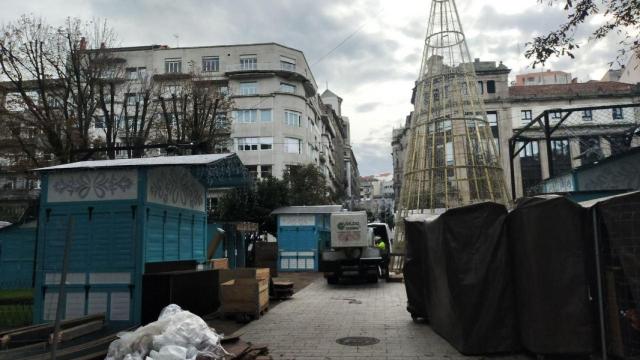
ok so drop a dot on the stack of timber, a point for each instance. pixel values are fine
(282, 289)
(244, 292)
(242, 350)
(34, 342)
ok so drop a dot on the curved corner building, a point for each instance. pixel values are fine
(451, 157)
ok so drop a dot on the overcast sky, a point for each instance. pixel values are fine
(373, 70)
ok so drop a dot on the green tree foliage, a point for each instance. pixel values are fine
(304, 185)
(307, 186)
(622, 17)
(237, 204)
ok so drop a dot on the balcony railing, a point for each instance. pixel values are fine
(270, 67)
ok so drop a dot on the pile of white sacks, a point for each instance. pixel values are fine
(176, 335)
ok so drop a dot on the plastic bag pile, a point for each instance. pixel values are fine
(176, 335)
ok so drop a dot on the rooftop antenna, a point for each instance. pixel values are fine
(451, 159)
(177, 36)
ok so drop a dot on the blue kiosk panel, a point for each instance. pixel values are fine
(302, 237)
(119, 215)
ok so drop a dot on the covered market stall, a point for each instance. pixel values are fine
(115, 217)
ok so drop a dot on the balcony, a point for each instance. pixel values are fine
(289, 73)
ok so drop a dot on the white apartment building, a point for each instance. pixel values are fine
(278, 118)
(543, 78)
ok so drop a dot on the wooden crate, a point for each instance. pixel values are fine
(260, 274)
(217, 264)
(245, 297)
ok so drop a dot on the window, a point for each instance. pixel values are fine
(266, 143)
(287, 64)
(464, 88)
(480, 88)
(530, 165)
(136, 73)
(492, 117)
(526, 115)
(618, 144)
(247, 144)
(108, 73)
(223, 90)
(255, 143)
(617, 113)
(173, 66)
(449, 155)
(253, 170)
(212, 203)
(590, 150)
(174, 90)
(132, 73)
(248, 62)
(247, 116)
(556, 115)
(132, 99)
(266, 171)
(292, 145)
(292, 118)
(265, 115)
(210, 64)
(99, 122)
(561, 156)
(248, 88)
(173, 119)
(491, 87)
(288, 88)
(587, 115)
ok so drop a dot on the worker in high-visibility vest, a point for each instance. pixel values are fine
(383, 267)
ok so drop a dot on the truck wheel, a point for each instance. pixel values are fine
(332, 280)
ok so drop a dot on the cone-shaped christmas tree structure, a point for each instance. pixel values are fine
(451, 158)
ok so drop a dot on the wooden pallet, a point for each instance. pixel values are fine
(282, 289)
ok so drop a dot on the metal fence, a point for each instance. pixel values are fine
(618, 231)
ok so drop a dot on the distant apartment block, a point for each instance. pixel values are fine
(543, 78)
(278, 117)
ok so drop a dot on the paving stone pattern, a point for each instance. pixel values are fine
(308, 325)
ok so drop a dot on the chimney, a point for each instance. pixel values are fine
(83, 43)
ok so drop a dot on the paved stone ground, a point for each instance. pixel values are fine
(307, 326)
